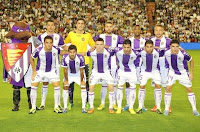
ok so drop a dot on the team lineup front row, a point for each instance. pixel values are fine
(128, 60)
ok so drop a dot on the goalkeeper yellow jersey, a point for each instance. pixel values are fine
(81, 41)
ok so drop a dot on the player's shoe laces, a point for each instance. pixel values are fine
(196, 113)
(115, 107)
(32, 111)
(139, 111)
(132, 111)
(126, 107)
(15, 108)
(42, 107)
(58, 110)
(159, 111)
(70, 106)
(154, 109)
(166, 113)
(91, 110)
(111, 111)
(64, 110)
(119, 111)
(87, 106)
(101, 107)
(84, 110)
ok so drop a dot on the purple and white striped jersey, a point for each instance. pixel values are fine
(57, 39)
(47, 61)
(101, 60)
(163, 43)
(150, 62)
(178, 63)
(112, 41)
(127, 63)
(137, 43)
(73, 65)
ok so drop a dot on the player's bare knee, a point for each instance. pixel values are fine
(189, 90)
(142, 87)
(45, 83)
(127, 85)
(168, 89)
(91, 89)
(110, 87)
(157, 86)
(66, 87)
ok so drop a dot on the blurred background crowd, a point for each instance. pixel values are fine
(181, 18)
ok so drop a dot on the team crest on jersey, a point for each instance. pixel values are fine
(114, 38)
(54, 54)
(105, 56)
(179, 58)
(76, 63)
(155, 56)
(162, 43)
(16, 58)
(83, 39)
(56, 38)
(131, 58)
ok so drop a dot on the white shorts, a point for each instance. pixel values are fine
(113, 74)
(145, 76)
(138, 74)
(76, 78)
(51, 76)
(96, 77)
(163, 71)
(123, 77)
(45, 79)
(183, 79)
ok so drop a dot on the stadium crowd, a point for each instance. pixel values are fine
(181, 18)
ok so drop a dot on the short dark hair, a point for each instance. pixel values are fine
(71, 47)
(108, 22)
(49, 21)
(174, 41)
(149, 42)
(80, 19)
(99, 39)
(48, 37)
(127, 41)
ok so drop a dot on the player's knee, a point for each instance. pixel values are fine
(168, 89)
(142, 87)
(91, 89)
(189, 90)
(127, 85)
(66, 87)
(45, 83)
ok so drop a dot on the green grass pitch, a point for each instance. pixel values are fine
(181, 118)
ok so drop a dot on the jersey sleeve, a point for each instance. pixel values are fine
(82, 62)
(63, 62)
(35, 53)
(91, 41)
(61, 42)
(96, 37)
(88, 53)
(68, 39)
(187, 56)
